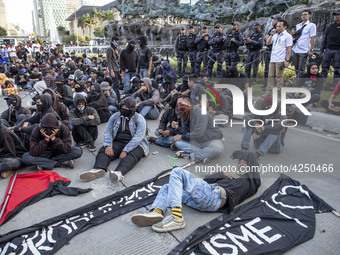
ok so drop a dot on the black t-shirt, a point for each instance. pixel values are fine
(123, 136)
(145, 56)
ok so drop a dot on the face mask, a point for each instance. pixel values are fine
(9, 103)
(39, 107)
(184, 111)
(125, 112)
(81, 108)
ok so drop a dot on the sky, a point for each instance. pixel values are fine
(19, 12)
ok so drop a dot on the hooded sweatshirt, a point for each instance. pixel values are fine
(168, 69)
(59, 108)
(241, 188)
(129, 59)
(39, 87)
(313, 83)
(62, 142)
(97, 99)
(12, 113)
(10, 145)
(78, 118)
(151, 96)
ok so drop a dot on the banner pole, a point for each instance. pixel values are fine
(8, 195)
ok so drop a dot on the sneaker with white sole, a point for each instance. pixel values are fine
(92, 175)
(170, 223)
(183, 154)
(116, 176)
(146, 219)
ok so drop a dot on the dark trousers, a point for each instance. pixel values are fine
(215, 56)
(192, 58)
(181, 57)
(9, 164)
(85, 134)
(253, 59)
(201, 56)
(267, 55)
(126, 164)
(326, 62)
(299, 61)
(231, 58)
(116, 84)
(49, 159)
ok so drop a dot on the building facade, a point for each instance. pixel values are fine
(3, 15)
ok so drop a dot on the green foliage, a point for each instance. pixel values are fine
(98, 32)
(3, 31)
(87, 38)
(67, 39)
(62, 31)
(40, 41)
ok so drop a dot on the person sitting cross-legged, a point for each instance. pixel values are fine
(124, 139)
(218, 192)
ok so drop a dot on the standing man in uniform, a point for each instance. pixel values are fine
(202, 51)
(181, 52)
(192, 47)
(217, 45)
(304, 41)
(330, 47)
(254, 45)
(268, 51)
(232, 42)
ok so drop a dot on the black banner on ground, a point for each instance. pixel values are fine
(283, 217)
(49, 236)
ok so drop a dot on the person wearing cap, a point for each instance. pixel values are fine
(267, 136)
(35, 76)
(181, 52)
(49, 78)
(129, 62)
(330, 47)
(157, 69)
(21, 80)
(268, 51)
(282, 43)
(216, 43)
(304, 42)
(15, 112)
(233, 40)
(110, 95)
(145, 56)
(135, 86)
(63, 91)
(202, 52)
(70, 81)
(192, 48)
(254, 46)
(79, 88)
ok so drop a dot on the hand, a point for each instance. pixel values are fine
(248, 40)
(113, 75)
(122, 96)
(31, 80)
(138, 104)
(159, 76)
(160, 131)
(42, 131)
(286, 64)
(297, 95)
(149, 73)
(109, 151)
(91, 117)
(58, 95)
(233, 39)
(259, 128)
(336, 109)
(331, 107)
(186, 54)
(25, 124)
(52, 136)
(273, 32)
(310, 53)
(255, 136)
(176, 138)
(174, 124)
(123, 155)
(166, 133)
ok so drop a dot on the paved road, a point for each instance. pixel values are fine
(120, 236)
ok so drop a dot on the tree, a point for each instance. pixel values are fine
(108, 15)
(81, 23)
(98, 16)
(89, 22)
(3, 32)
(62, 31)
(98, 32)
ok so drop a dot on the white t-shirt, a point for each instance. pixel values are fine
(29, 50)
(12, 51)
(36, 47)
(303, 44)
(280, 42)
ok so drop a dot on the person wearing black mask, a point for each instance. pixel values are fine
(15, 112)
(97, 100)
(79, 88)
(63, 92)
(84, 120)
(124, 139)
(145, 56)
(129, 62)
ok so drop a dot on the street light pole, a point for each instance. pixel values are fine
(75, 20)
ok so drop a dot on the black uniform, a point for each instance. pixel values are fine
(253, 57)
(181, 48)
(217, 45)
(231, 57)
(202, 55)
(192, 47)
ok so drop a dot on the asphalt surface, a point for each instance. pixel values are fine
(121, 236)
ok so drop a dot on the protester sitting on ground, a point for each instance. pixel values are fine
(267, 136)
(313, 81)
(157, 69)
(50, 77)
(79, 89)
(147, 99)
(21, 80)
(184, 87)
(63, 92)
(51, 146)
(11, 151)
(166, 89)
(15, 112)
(110, 95)
(135, 86)
(34, 77)
(196, 90)
(84, 120)
(168, 69)
(124, 139)
(203, 141)
(97, 100)
(71, 82)
(331, 106)
(219, 192)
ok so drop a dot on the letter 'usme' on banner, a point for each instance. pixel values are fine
(283, 217)
(50, 235)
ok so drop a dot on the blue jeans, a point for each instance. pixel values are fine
(163, 141)
(112, 108)
(270, 143)
(9, 164)
(149, 112)
(211, 149)
(143, 73)
(127, 77)
(115, 86)
(194, 192)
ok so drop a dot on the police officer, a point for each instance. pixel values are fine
(181, 52)
(254, 45)
(192, 47)
(233, 40)
(217, 44)
(202, 51)
(267, 53)
(330, 47)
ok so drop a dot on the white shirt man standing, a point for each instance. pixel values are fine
(304, 42)
(36, 48)
(12, 53)
(281, 42)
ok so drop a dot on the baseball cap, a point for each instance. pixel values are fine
(337, 11)
(256, 24)
(71, 77)
(218, 25)
(182, 28)
(35, 69)
(278, 17)
(191, 26)
(235, 23)
(204, 27)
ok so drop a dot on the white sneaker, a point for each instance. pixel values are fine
(116, 176)
(170, 223)
(92, 175)
(146, 219)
